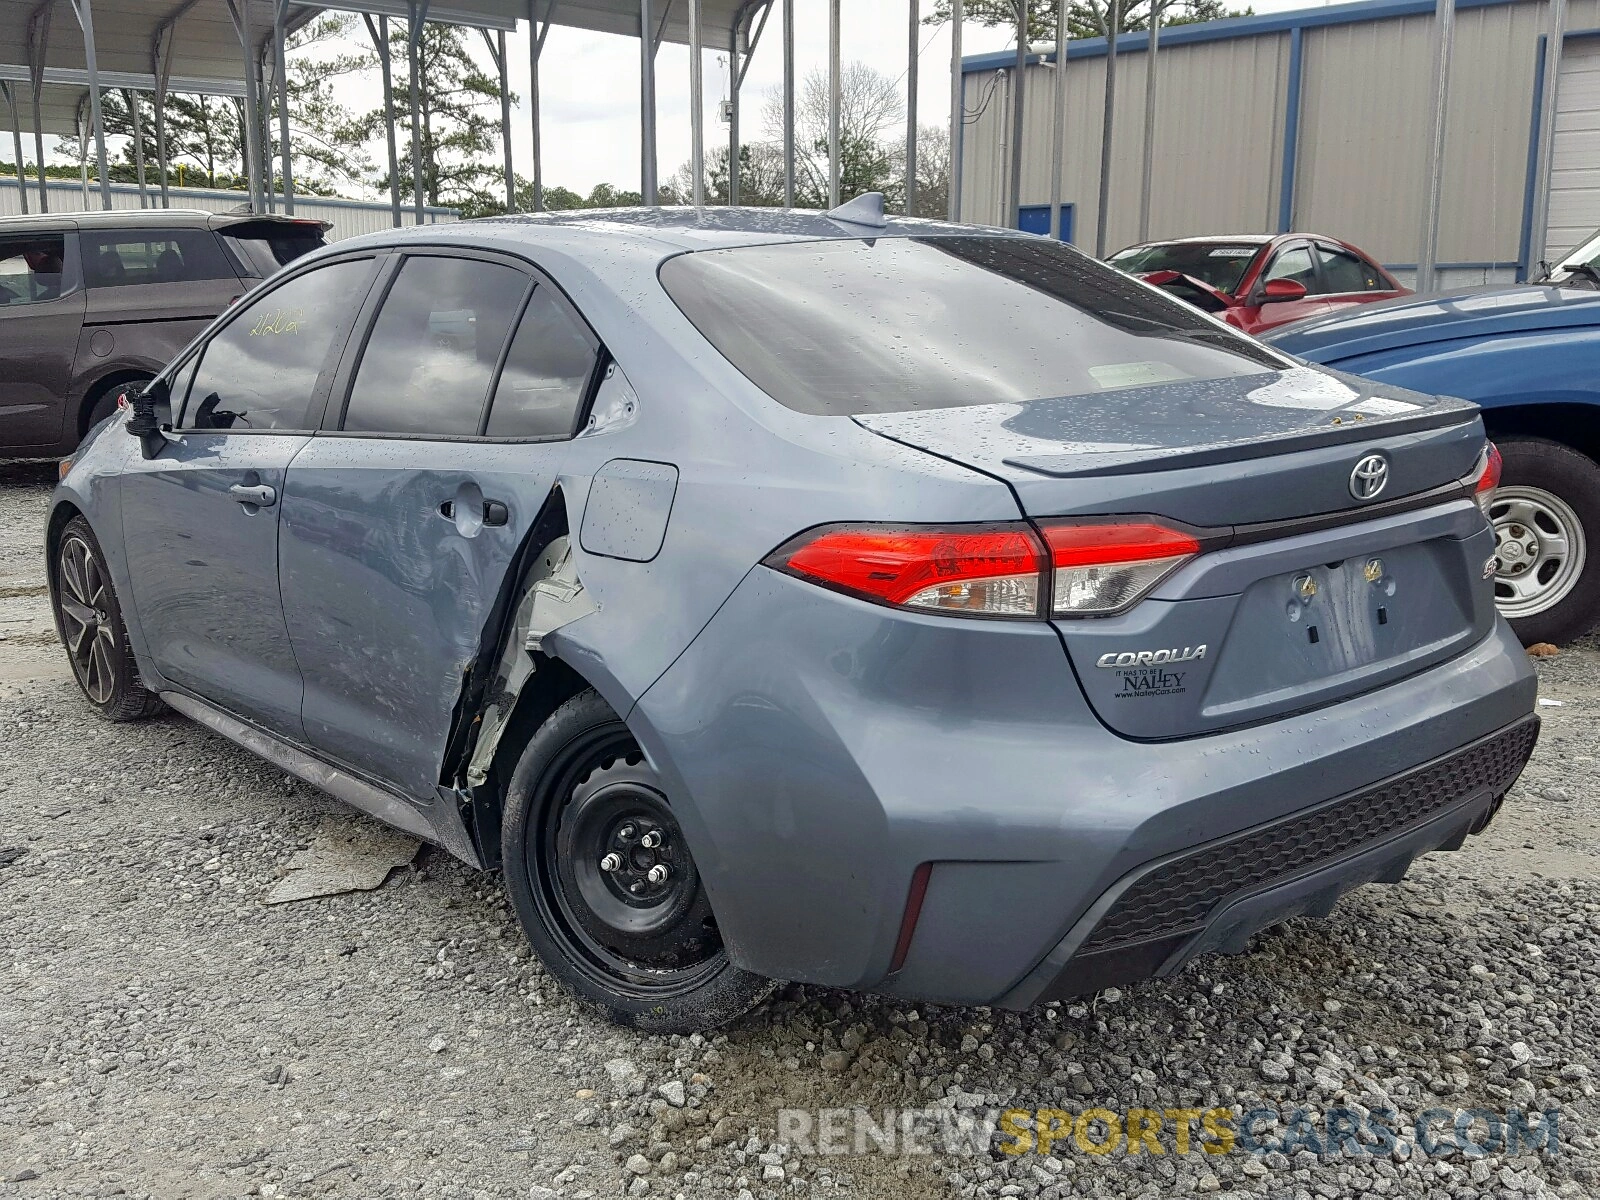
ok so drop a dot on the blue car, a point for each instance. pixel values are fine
(877, 604)
(1530, 355)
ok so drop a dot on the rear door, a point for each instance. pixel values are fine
(445, 436)
(200, 519)
(1348, 279)
(41, 314)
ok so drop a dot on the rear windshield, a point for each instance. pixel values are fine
(837, 328)
(1220, 264)
(266, 246)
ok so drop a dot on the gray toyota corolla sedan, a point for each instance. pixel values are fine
(889, 605)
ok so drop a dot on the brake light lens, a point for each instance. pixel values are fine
(991, 570)
(1105, 568)
(1087, 569)
(1488, 477)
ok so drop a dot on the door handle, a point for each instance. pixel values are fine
(495, 512)
(260, 495)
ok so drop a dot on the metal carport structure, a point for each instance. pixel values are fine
(235, 48)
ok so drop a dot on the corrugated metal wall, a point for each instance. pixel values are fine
(1361, 159)
(349, 217)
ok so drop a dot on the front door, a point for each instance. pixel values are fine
(399, 523)
(41, 313)
(200, 519)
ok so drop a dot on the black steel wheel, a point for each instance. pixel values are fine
(604, 883)
(89, 622)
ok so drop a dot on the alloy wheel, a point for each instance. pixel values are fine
(87, 624)
(1540, 550)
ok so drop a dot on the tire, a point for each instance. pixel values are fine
(104, 402)
(89, 622)
(644, 950)
(1547, 540)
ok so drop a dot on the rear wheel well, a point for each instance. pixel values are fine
(1569, 424)
(97, 392)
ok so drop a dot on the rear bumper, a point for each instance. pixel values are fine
(1215, 897)
(818, 749)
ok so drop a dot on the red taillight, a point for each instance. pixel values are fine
(122, 400)
(1104, 568)
(1089, 569)
(1488, 476)
(991, 570)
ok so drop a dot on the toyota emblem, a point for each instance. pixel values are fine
(1369, 477)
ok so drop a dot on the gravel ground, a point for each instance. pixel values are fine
(165, 1033)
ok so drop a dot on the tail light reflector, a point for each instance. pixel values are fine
(1488, 477)
(1089, 569)
(1105, 568)
(991, 570)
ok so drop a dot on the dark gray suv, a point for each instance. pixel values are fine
(93, 302)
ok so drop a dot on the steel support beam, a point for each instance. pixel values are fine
(85, 13)
(496, 46)
(1058, 124)
(10, 94)
(913, 33)
(958, 102)
(240, 12)
(1102, 212)
(1018, 77)
(1444, 27)
(378, 31)
(161, 70)
(414, 32)
(1555, 39)
(536, 36)
(697, 102)
(735, 75)
(834, 164)
(131, 99)
(1150, 76)
(647, 106)
(788, 103)
(38, 43)
(280, 14)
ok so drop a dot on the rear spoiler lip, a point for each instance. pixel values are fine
(223, 222)
(1073, 466)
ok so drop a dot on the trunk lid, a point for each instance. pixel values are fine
(1305, 594)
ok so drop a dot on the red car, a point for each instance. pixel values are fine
(1258, 281)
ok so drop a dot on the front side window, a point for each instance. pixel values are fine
(136, 257)
(896, 324)
(260, 371)
(1345, 272)
(546, 372)
(433, 350)
(32, 269)
(1295, 265)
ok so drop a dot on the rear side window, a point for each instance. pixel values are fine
(261, 370)
(32, 269)
(131, 257)
(1344, 272)
(1293, 264)
(433, 350)
(546, 372)
(900, 324)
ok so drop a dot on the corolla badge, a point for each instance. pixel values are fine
(1151, 658)
(1369, 477)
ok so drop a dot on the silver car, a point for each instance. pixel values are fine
(881, 604)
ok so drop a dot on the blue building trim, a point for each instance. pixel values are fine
(1230, 27)
(1530, 185)
(1291, 130)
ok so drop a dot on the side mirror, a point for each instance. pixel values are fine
(1283, 289)
(145, 421)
